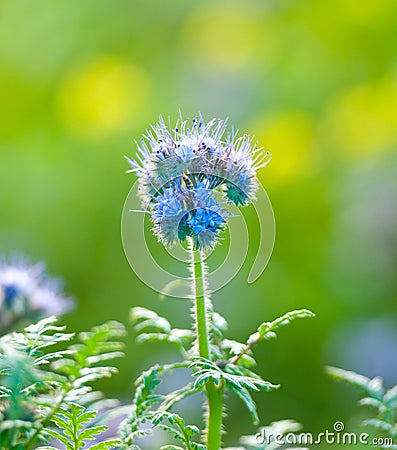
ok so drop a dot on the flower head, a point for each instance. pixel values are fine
(189, 173)
(26, 292)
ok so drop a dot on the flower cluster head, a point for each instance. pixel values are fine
(189, 173)
(27, 293)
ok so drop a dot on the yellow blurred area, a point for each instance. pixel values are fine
(364, 12)
(289, 137)
(223, 36)
(363, 120)
(101, 98)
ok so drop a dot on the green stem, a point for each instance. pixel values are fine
(215, 410)
(200, 305)
(214, 393)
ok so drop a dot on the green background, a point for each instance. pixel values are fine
(316, 82)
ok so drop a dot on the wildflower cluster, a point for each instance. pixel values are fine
(188, 174)
(26, 293)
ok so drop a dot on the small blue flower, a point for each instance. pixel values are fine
(187, 173)
(181, 213)
(26, 292)
(203, 225)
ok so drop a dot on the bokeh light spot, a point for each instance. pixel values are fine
(365, 12)
(363, 120)
(289, 137)
(102, 98)
(223, 36)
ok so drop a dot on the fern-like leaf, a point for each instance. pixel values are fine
(371, 387)
(74, 428)
(153, 328)
(384, 401)
(37, 381)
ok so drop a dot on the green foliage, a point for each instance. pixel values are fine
(39, 377)
(74, 431)
(143, 410)
(384, 401)
(182, 432)
(236, 379)
(153, 328)
(230, 368)
(236, 359)
(267, 330)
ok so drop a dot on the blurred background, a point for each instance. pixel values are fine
(316, 82)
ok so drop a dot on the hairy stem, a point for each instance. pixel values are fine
(214, 393)
(215, 410)
(200, 305)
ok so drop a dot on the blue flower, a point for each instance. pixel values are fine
(186, 174)
(181, 213)
(203, 225)
(26, 292)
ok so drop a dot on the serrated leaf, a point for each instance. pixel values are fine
(106, 445)
(74, 426)
(373, 387)
(248, 401)
(209, 371)
(391, 396)
(143, 318)
(45, 382)
(234, 347)
(271, 327)
(89, 433)
(176, 396)
(197, 446)
(379, 424)
(59, 436)
(368, 401)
